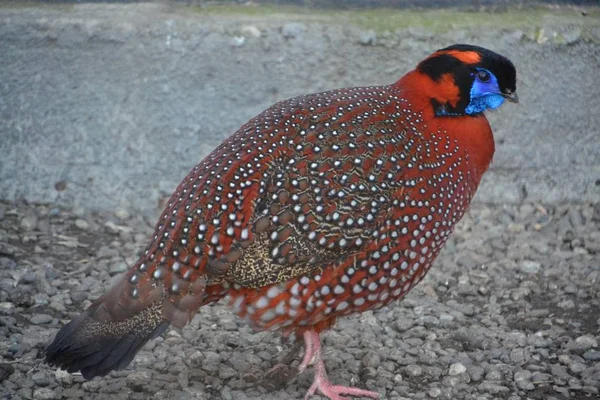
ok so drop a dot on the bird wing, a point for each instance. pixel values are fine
(324, 196)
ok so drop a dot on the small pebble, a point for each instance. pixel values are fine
(5, 371)
(28, 223)
(523, 380)
(41, 378)
(82, 224)
(456, 369)
(65, 378)
(122, 214)
(592, 355)
(44, 394)
(368, 38)
(137, 380)
(371, 359)
(7, 308)
(413, 370)
(117, 268)
(39, 319)
(531, 267)
(292, 30)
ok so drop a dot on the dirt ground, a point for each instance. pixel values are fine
(511, 310)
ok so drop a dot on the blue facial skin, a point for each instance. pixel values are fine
(485, 93)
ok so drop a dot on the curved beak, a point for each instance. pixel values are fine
(511, 96)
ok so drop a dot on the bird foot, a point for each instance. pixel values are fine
(321, 383)
(334, 392)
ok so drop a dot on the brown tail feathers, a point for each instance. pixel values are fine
(110, 332)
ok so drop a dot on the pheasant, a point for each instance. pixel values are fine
(321, 206)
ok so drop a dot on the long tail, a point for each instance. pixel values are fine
(110, 332)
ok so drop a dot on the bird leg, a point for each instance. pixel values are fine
(309, 352)
(322, 384)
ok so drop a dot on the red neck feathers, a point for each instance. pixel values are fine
(472, 132)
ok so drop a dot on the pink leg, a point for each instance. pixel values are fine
(311, 339)
(321, 382)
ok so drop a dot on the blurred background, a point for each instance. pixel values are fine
(110, 105)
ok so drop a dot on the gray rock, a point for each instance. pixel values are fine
(28, 278)
(7, 308)
(250, 31)
(28, 223)
(237, 41)
(117, 268)
(560, 371)
(567, 304)
(292, 30)
(41, 299)
(371, 360)
(5, 371)
(429, 321)
(577, 367)
(572, 36)
(583, 343)
(413, 370)
(39, 319)
(475, 372)
(493, 375)
(226, 372)
(368, 38)
(520, 356)
(82, 224)
(404, 324)
(456, 369)
(79, 296)
(107, 252)
(73, 393)
(138, 380)
(592, 355)
(7, 320)
(531, 267)
(540, 378)
(522, 379)
(44, 394)
(41, 378)
(122, 214)
(64, 378)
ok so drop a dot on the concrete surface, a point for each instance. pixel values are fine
(105, 106)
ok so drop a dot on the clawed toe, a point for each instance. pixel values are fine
(321, 384)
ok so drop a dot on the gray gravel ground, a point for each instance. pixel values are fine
(511, 310)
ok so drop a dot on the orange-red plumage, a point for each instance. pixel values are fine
(322, 206)
(467, 57)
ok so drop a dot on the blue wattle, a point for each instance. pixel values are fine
(484, 102)
(484, 95)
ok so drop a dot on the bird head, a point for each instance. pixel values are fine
(467, 80)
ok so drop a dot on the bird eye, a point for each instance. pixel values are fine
(483, 76)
